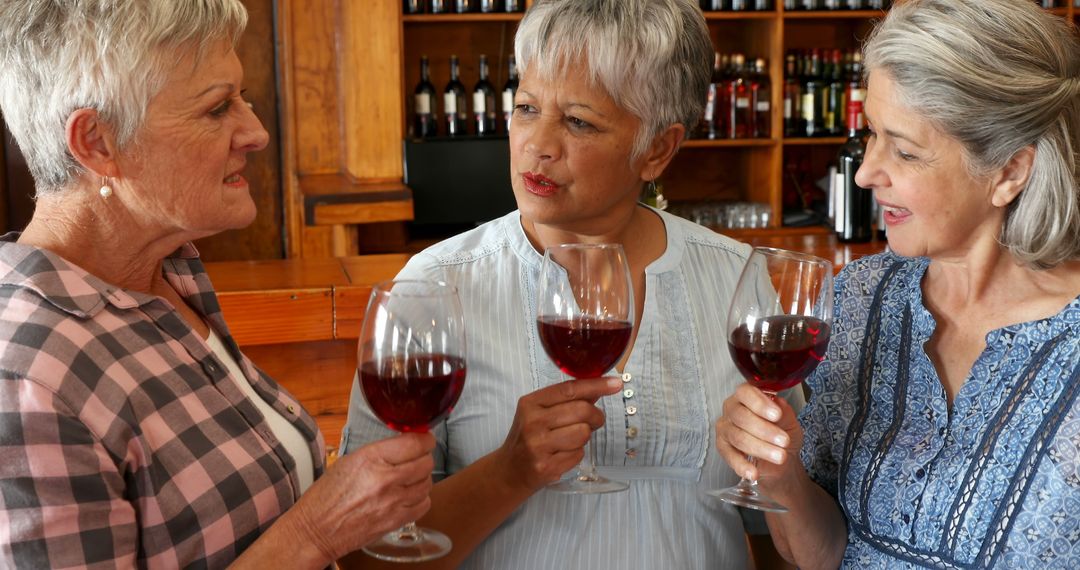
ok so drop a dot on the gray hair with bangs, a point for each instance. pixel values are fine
(57, 56)
(998, 76)
(653, 57)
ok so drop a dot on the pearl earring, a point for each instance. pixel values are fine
(105, 190)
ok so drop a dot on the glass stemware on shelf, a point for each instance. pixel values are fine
(778, 329)
(411, 359)
(585, 316)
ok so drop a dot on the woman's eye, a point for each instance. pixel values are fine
(905, 156)
(578, 123)
(524, 109)
(221, 109)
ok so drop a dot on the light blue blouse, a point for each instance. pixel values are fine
(658, 433)
(994, 482)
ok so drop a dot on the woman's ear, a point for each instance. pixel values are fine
(661, 151)
(1011, 180)
(90, 141)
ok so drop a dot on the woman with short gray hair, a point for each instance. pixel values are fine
(942, 428)
(608, 91)
(133, 431)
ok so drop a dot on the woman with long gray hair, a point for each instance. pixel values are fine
(608, 90)
(133, 431)
(943, 428)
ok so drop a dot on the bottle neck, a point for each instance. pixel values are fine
(856, 121)
(483, 70)
(425, 71)
(453, 69)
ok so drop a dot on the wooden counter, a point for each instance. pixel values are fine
(299, 319)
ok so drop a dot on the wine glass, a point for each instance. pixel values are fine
(412, 369)
(585, 314)
(778, 329)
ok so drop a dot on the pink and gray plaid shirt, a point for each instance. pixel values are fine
(123, 442)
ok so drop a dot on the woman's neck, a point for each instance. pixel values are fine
(102, 238)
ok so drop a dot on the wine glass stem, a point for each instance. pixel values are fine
(409, 531)
(587, 468)
(750, 484)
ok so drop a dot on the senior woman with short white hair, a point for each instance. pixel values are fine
(943, 427)
(608, 91)
(133, 431)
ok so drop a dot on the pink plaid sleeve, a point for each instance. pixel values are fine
(61, 494)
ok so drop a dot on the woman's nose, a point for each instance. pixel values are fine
(542, 138)
(252, 136)
(870, 174)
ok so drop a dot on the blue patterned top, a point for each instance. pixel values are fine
(995, 482)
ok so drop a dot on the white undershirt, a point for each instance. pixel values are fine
(285, 432)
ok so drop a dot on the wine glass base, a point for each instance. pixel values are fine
(748, 498)
(582, 485)
(397, 546)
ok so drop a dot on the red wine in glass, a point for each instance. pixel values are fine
(778, 330)
(413, 394)
(411, 359)
(781, 352)
(584, 318)
(584, 347)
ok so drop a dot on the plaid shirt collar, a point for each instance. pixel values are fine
(41, 271)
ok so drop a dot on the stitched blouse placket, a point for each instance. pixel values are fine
(630, 408)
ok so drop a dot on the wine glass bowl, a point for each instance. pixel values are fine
(585, 318)
(411, 367)
(778, 330)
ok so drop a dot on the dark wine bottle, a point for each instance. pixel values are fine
(484, 102)
(737, 95)
(793, 120)
(514, 5)
(813, 95)
(414, 6)
(488, 6)
(761, 100)
(454, 102)
(508, 92)
(854, 208)
(439, 6)
(425, 123)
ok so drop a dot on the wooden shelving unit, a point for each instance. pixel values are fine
(348, 74)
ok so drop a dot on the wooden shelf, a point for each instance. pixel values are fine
(743, 15)
(810, 141)
(728, 143)
(834, 14)
(441, 18)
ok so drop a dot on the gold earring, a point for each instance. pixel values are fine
(105, 189)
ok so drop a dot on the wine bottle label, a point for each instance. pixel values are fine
(479, 103)
(787, 108)
(508, 101)
(742, 102)
(450, 102)
(808, 106)
(762, 105)
(423, 103)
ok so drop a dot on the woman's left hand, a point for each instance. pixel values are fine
(766, 428)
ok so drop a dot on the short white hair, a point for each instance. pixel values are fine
(653, 57)
(998, 76)
(113, 56)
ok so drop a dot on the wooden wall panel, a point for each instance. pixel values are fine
(373, 106)
(313, 94)
(263, 238)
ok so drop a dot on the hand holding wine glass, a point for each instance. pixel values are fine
(585, 316)
(778, 330)
(412, 370)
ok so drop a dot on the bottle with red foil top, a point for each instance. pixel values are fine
(854, 204)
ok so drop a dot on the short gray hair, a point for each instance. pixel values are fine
(998, 76)
(653, 57)
(113, 56)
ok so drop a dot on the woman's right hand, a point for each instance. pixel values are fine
(550, 429)
(767, 428)
(366, 494)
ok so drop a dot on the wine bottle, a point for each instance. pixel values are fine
(813, 91)
(509, 90)
(439, 6)
(513, 5)
(414, 6)
(454, 102)
(834, 96)
(464, 6)
(489, 6)
(425, 123)
(854, 208)
(484, 102)
(793, 125)
(761, 100)
(706, 128)
(737, 94)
